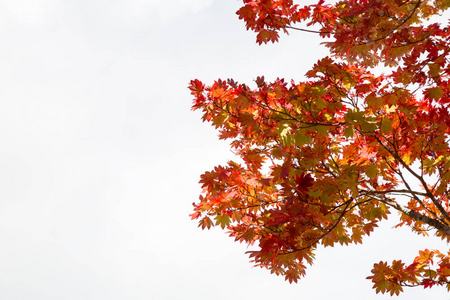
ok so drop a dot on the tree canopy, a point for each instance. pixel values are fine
(325, 160)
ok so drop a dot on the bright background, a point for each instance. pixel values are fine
(100, 156)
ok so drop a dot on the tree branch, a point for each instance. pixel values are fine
(415, 215)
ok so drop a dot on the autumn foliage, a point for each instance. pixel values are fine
(325, 160)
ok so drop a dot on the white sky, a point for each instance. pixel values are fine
(100, 156)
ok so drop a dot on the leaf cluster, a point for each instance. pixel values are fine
(325, 160)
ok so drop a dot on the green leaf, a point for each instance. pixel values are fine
(354, 117)
(349, 131)
(371, 171)
(435, 93)
(322, 130)
(374, 103)
(386, 126)
(315, 194)
(435, 69)
(318, 92)
(321, 104)
(301, 139)
(368, 126)
(276, 152)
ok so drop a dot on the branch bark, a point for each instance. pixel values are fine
(415, 215)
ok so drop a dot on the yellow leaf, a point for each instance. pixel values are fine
(407, 158)
(391, 109)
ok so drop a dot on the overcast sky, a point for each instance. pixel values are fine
(100, 156)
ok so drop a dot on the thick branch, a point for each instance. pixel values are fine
(415, 215)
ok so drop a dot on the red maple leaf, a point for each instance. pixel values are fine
(304, 182)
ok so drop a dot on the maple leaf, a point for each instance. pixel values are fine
(434, 93)
(367, 153)
(292, 276)
(265, 36)
(304, 182)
